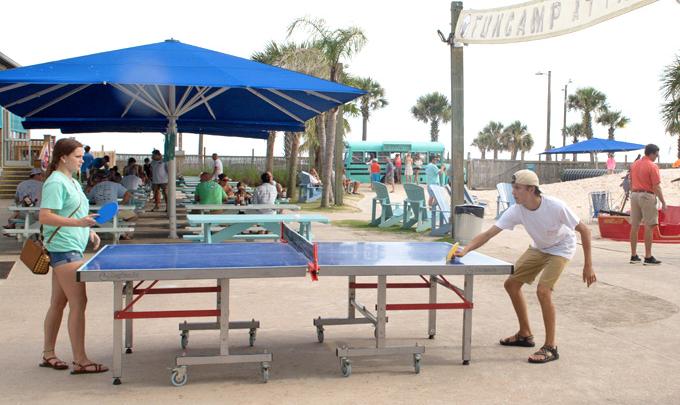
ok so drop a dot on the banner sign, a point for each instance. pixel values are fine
(537, 19)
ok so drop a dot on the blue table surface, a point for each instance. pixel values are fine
(259, 255)
(195, 256)
(395, 254)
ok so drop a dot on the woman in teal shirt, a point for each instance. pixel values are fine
(65, 206)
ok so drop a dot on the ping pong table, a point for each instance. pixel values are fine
(293, 256)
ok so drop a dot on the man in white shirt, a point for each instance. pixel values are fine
(550, 224)
(217, 167)
(265, 193)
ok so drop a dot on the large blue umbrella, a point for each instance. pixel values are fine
(596, 145)
(164, 85)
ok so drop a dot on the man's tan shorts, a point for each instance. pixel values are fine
(533, 261)
(643, 209)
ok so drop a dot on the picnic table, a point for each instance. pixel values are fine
(248, 209)
(237, 224)
(31, 226)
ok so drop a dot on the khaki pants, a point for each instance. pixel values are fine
(533, 261)
(643, 209)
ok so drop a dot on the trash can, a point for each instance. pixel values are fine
(468, 222)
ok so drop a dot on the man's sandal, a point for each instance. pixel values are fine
(89, 368)
(53, 362)
(548, 353)
(518, 340)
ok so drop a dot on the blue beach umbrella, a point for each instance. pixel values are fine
(163, 86)
(596, 145)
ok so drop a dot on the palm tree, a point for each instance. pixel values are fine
(512, 137)
(432, 108)
(304, 59)
(575, 131)
(670, 110)
(482, 142)
(525, 145)
(494, 130)
(589, 101)
(374, 99)
(334, 44)
(612, 120)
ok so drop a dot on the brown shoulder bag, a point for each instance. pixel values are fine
(35, 256)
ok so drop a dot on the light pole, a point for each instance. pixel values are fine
(564, 122)
(547, 132)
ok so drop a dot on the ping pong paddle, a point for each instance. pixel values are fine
(451, 257)
(107, 212)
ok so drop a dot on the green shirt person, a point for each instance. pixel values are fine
(209, 191)
(64, 207)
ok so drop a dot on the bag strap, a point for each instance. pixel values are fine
(58, 228)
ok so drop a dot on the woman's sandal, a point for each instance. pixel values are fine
(89, 368)
(53, 362)
(548, 353)
(521, 341)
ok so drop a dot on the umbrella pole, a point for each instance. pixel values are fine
(172, 168)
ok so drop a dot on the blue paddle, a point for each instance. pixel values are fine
(107, 212)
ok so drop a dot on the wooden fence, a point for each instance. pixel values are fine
(193, 164)
(485, 174)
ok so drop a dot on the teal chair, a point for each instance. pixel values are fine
(416, 211)
(390, 214)
(441, 211)
(504, 199)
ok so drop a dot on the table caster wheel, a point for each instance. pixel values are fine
(431, 337)
(466, 362)
(251, 338)
(416, 362)
(346, 367)
(128, 350)
(116, 381)
(319, 334)
(265, 372)
(179, 376)
(184, 339)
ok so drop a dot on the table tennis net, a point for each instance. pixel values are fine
(297, 241)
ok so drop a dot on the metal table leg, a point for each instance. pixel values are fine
(128, 290)
(432, 313)
(117, 367)
(467, 320)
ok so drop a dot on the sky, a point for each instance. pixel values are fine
(623, 57)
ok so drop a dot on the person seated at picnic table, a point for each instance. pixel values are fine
(101, 163)
(208, 191)
(107, 188)
(28, 194)
(131, 167)
(265, 193)
(133, 179)
(241, 196)
(223, 181)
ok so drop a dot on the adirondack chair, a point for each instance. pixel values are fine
(308, 191)
(390, 213)
(599, 200)
(504, 199)
(415, 208)
(441, 211)
(469, 198)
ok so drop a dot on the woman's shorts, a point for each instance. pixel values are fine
(59, 258)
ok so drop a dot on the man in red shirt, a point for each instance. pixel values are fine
(645, 188)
